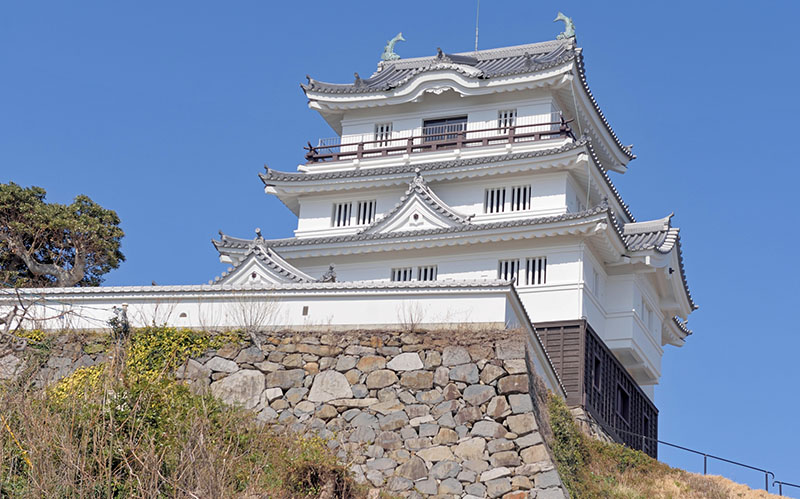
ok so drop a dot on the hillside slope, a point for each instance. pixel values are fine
(594, 469)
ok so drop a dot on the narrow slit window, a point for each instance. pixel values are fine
(402, 274)
(521, 198)
(597, 373)
(383, 134)
(506, 119)
(535, 271)
(494, 200)
(427, 273)
(508, 270)
(365, 212)
(623, 404)
(341, 214)
(646, 442)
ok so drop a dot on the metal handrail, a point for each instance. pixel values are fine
(781, 484)
(706, 455)
(435, 138)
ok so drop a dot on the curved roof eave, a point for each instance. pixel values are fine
(581, 69)
(272, 178)
(481, 66)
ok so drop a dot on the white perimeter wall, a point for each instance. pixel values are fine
(211, 307)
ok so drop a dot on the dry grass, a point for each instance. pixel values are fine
(594, 469)
(108, 433)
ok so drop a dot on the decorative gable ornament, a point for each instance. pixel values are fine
(569, 27)
(263, 265)
(388, 50)
(418, 209)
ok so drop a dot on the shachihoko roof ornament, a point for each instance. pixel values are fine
(569, 27)
(388, 50)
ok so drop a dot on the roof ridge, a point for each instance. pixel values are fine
(491, 53)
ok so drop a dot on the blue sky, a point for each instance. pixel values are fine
(166, 112)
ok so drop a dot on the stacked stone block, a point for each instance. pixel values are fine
(426, 414)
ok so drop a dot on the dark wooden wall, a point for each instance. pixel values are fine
(576, 351)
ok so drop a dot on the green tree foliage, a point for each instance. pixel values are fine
(50, 244)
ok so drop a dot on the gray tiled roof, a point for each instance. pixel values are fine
(274, 262)
(279, 176)
(270, 177)
(582, 72)
(658, 235)
(683, 326)
(232, 242)
(655, 235)
(483, 64)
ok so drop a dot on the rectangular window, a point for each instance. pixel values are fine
(623, 404)
(341, 214)
(402, 274)
(506, 118)
(383, 134)
(535, 271)
(427, 273)
(365, 212)
(521, 198)
(443, 129)
(494, 200)
(597, 373)
(508, 270)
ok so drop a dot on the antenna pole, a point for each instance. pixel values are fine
(477, 16)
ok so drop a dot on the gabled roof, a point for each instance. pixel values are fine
(266, 265)
(419, 207)
(483, 64)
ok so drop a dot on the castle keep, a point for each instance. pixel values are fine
(466, 188)
(493, 164)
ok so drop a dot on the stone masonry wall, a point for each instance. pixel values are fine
(426, 414)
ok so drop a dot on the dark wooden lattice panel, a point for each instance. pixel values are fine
(611, 395)
(618, 403)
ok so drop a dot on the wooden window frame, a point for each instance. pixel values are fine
(506, 119)
(342, 214)
(397, 272)
(623, 404)
(366, 211)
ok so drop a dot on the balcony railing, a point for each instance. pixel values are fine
(435, 138)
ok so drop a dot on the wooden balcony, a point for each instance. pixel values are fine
(435, 138)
